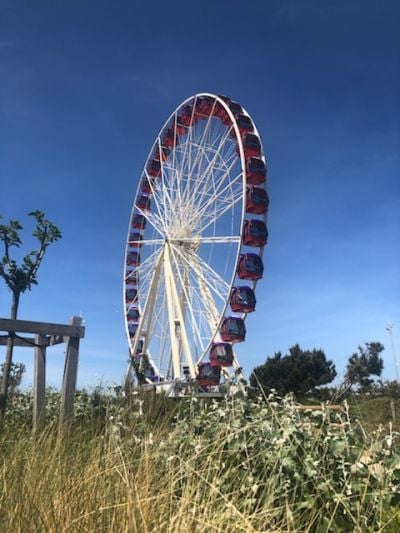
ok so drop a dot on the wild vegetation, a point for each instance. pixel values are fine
(153, 464)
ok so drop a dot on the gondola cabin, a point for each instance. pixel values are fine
(143, 202)
(243, 300)
(178, 126)
(221, 354)
(146, 186)
(138, 221)
(208, 376)
(132, 328)
(150, 374)
(130, 296)
(131, 278)
(255, 233)
(204, 105)
(161, 153)
(256, 200)
(256, 171)
(235, 107)
(133, 258)
(244, 123)
(233, 329)
(169, 138)
(153, 168)
(187, 116)
(133, 314)
(139, 350)
(250, 267)
(251, 145)
(135, 240)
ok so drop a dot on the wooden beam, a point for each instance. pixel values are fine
(39, 385)
(70, 376)
(41, 328)
(56, 339)
(26, 341)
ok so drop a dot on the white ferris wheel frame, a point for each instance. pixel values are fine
(170, 257)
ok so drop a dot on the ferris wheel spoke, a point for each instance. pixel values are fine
(232, 192)
(217, 186)
(209, 240)
(216, 194)
(146, 242)
(188, 299)
(199, 154)
(148, 306)
(208, 174)
(144, 269)
(213, 280)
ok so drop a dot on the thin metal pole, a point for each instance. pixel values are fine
(389, 329)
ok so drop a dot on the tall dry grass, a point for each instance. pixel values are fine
(151, 465)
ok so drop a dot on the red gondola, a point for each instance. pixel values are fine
(139, 350)
(233, 329)
(161, 153)
(169, 138)
(138, 221)
(135, 240)
(204, 106)
(256, 200)
(146, 186)
(221, 354)
(250, 267)
(219, 111)
(255, 233)
(251, 145)
(130, 295)
(208, 376)
(244, 124)
(255, 171)
(188, 118)
(235, 107)
(178, 125)
(243, 300)
(132, 328)
(154, 168)
(133, 258)
(150, 374)
(133, 314)
(132, 277)
(143, 202)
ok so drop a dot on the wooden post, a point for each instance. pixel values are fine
(70, 375)
(39, 402)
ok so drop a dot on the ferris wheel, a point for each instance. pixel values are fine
(194, 248)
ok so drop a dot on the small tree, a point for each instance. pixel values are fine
(17, 371)
(362, 365)
(20, 278)
(299, 372)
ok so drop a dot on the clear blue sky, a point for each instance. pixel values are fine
(85, 87)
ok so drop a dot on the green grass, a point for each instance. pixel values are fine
(151, 464)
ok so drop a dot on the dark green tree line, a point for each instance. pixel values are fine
(299, 372)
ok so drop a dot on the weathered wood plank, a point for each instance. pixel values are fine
(70, 376)
(26, 341)
(41, 328)
(39, 384)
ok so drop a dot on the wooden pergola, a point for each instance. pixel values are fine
(46, 335)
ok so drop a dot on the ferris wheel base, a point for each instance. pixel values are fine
(182, 389)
